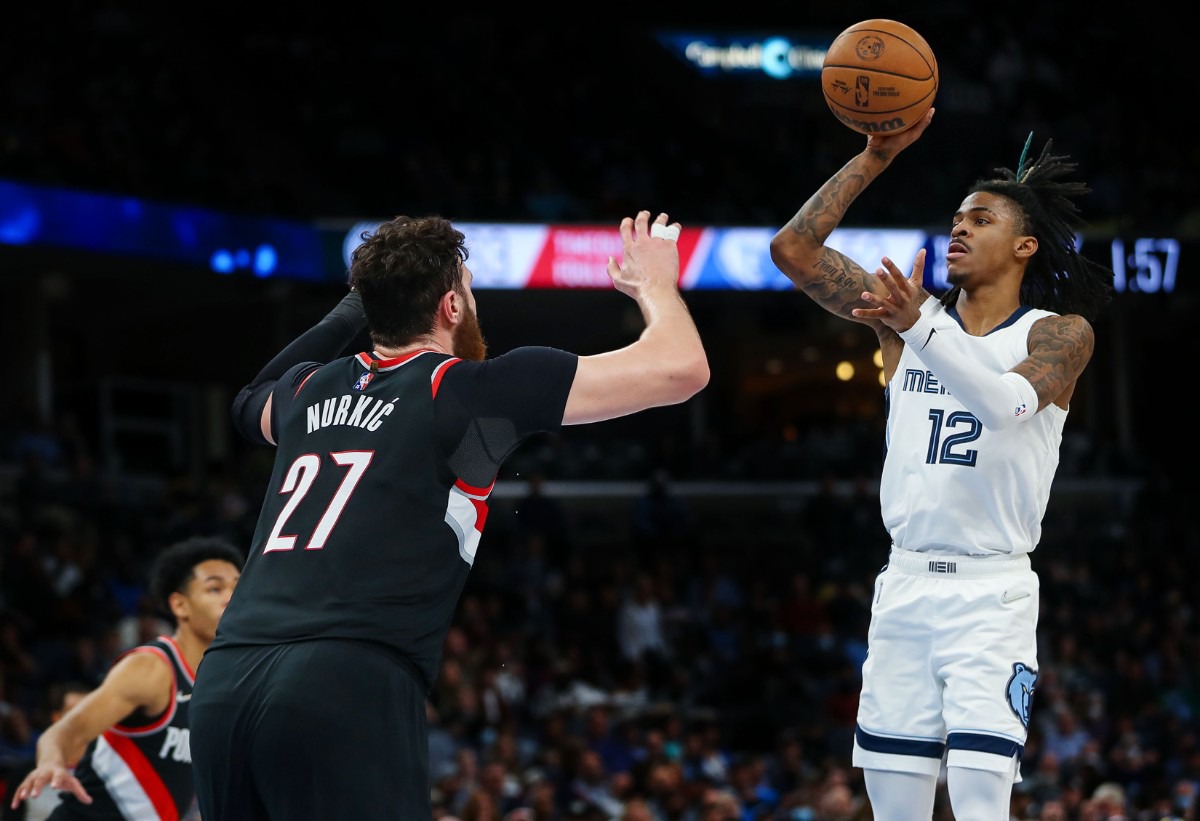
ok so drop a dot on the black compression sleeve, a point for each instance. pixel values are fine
(320, 343)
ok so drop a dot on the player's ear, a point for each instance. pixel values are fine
(1026, 247)
(181, 608)
(451, 306)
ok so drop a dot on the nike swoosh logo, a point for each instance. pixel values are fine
(181, 697)
(1007, 599)
(932, 331)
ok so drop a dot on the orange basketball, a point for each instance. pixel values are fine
(879, 77)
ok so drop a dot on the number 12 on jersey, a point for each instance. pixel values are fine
(946, 448)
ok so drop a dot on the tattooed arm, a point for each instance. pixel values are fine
(1059, 349)
(831, 279)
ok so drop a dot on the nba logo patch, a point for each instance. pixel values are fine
(363, 381)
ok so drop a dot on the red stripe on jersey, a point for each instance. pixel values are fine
(183, 662)
(478, 498)
(168, 714)
(439, 372)
(481, 513)
(300, 387)
(145, 774)
(396, 361)
(483, 492)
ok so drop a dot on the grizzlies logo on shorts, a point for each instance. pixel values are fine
(1020, 691)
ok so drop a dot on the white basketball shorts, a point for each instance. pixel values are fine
(951, 664)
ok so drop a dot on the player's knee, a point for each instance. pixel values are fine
(979, 795)
(900, 796)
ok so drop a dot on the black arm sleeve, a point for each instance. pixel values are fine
(320, 343)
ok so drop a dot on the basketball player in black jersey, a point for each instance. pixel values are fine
(311, 701)
(122, 753)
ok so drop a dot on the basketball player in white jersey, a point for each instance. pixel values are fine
(978, 387)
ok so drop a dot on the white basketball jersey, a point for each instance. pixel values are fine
(952, 486)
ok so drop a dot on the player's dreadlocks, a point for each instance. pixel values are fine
(1057, 278)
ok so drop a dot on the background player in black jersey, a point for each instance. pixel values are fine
(311, 701)
(123, 752)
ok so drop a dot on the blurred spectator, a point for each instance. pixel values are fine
(1063, 737)
(640, 630)
(660, 518)
(1107, 804)
(16, 732)
(803, 617)
(592, 785)
(749, 785)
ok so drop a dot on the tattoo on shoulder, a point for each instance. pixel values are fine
(1060, 349)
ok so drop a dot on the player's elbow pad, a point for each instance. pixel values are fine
(247, 411)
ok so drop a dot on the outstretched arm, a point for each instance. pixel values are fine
(320, 343)
(667, 364)
(831, 279)
(140, 680)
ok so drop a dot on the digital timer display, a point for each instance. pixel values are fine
(1150, 268)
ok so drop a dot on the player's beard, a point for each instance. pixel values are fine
(468, 338)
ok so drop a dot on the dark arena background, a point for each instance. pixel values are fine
(176, 197)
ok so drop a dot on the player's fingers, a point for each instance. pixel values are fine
(627, 230)
(30, 787)
(642, 224)
(918, 272)
(77, 790)
(875, 302)
(896, 275)
(888, 278)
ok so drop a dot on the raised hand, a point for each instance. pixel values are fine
(901, 308)
(651, 257)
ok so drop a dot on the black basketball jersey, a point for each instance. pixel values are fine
(379, 494)
(141, 768)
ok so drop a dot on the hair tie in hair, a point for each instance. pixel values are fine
(1022, 172)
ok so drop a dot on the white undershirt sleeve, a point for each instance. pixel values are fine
(999, 399)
